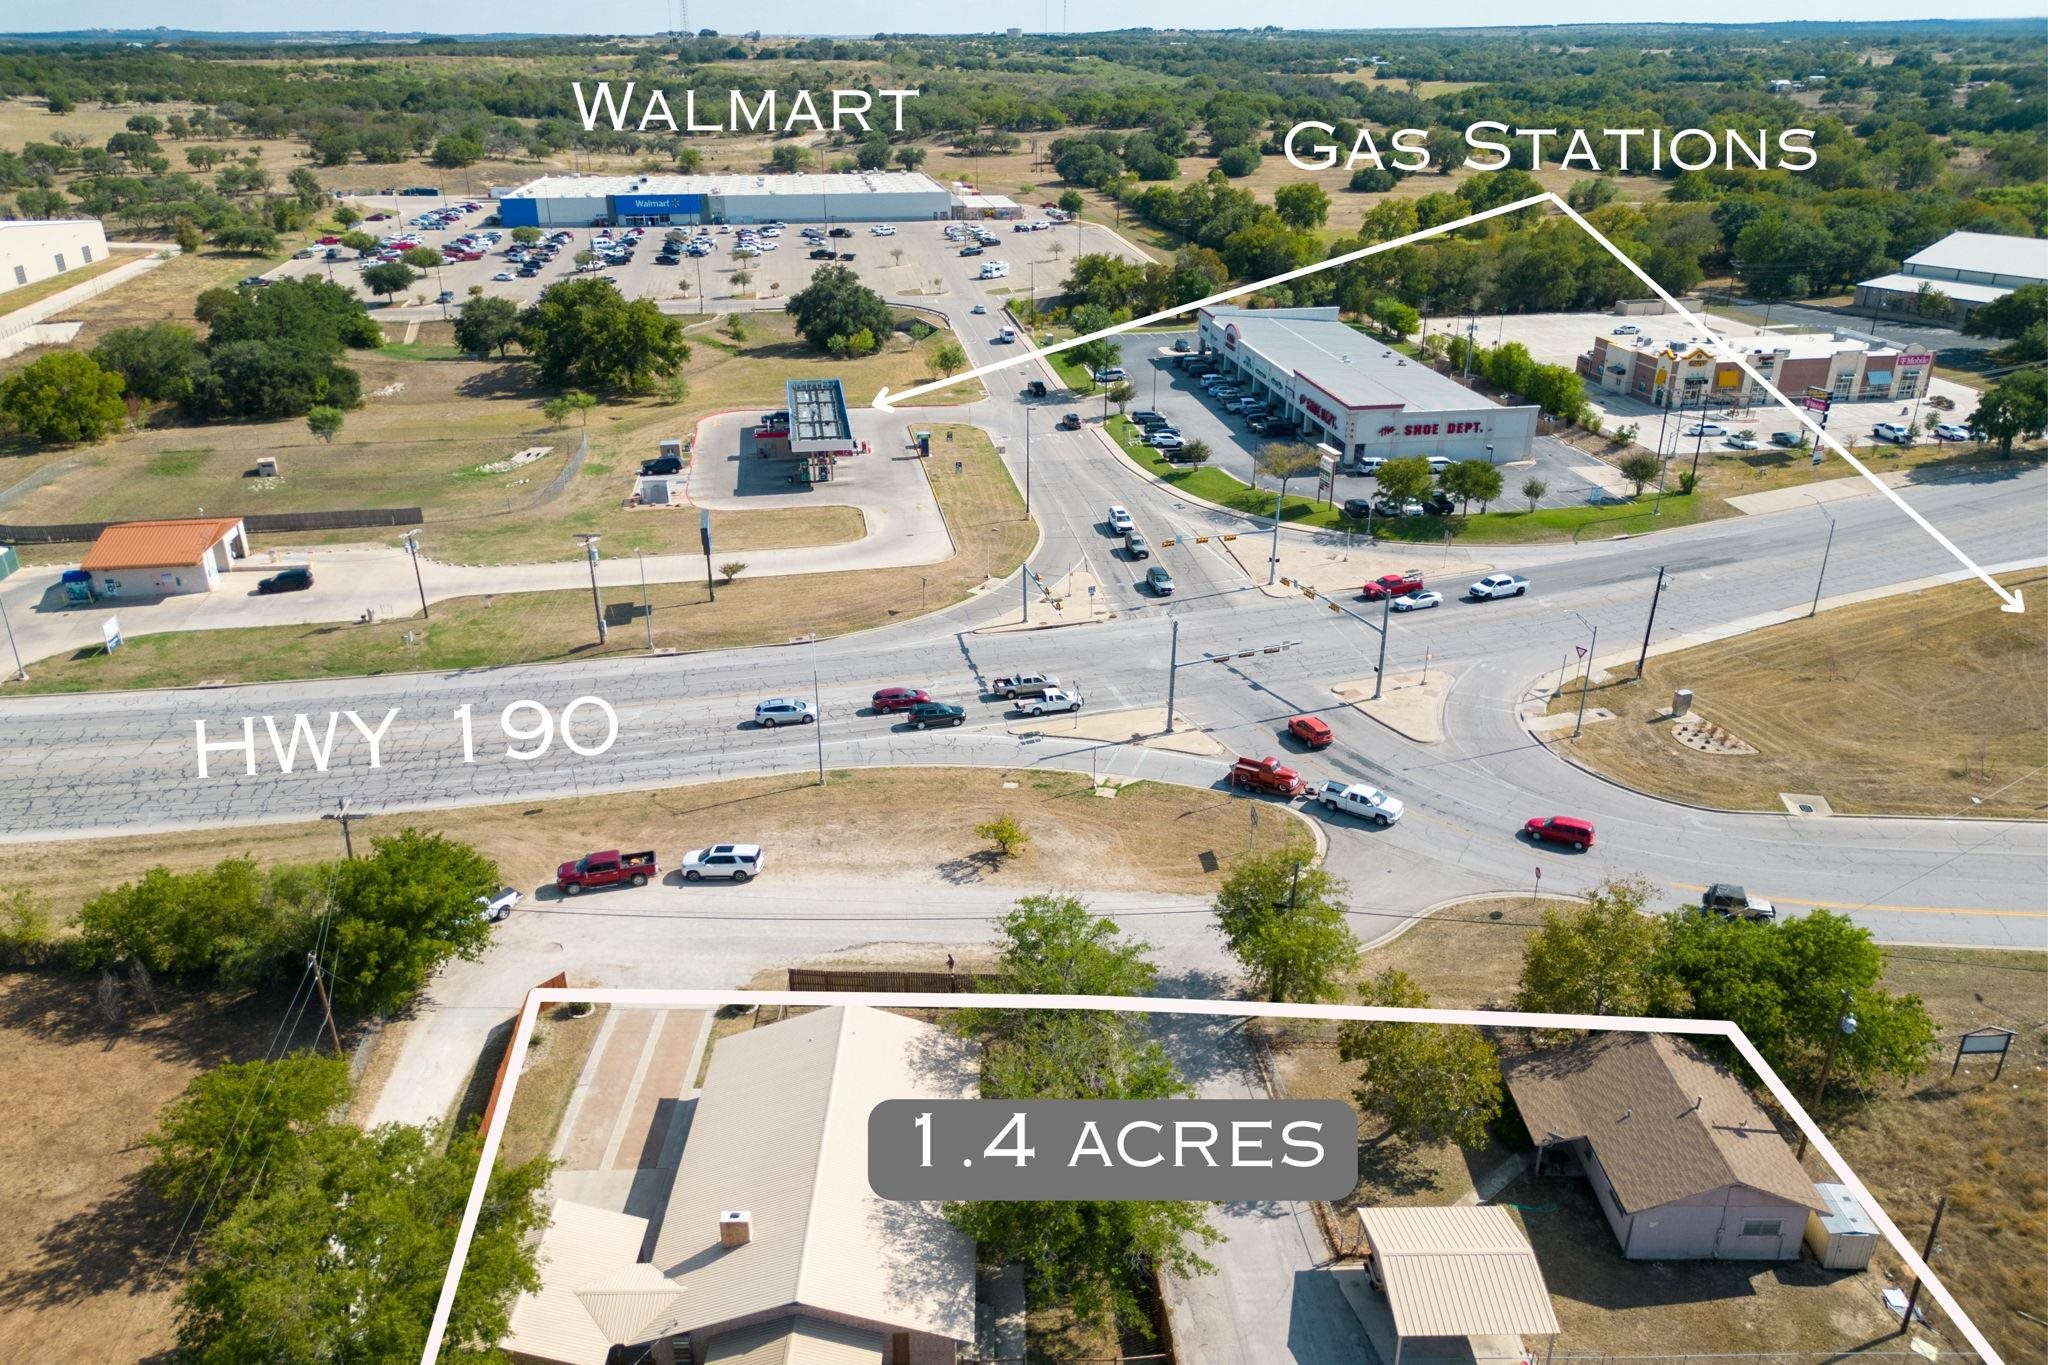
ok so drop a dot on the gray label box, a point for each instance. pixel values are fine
(1225, 1150)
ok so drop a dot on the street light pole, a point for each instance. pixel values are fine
(1655, 596)
(589, 542)
(1172, 671)
(412, 547)
(1826, 550)
(1586, 683)
(20, 673)
(1273, 560)
(646, 607)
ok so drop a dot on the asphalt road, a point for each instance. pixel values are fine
(74, 766)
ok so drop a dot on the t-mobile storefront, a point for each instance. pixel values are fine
(1347, 390)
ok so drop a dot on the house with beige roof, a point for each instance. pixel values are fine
(771, 1249)
(1683, 1162)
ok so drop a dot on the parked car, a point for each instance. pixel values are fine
(926, 714)
(1498, 585)
(1164, 439)
(502, 276)
(1417, 601)
(1356, 798)
(661, 465)
(1439, 504)
(824, 253)
(1892, 432)
(1313, 731)
(1159, 581)
(1266, 774)
(1627, 329)
(1950, 431)
(1569, 830)
(1392, 585)
(734, 862)
(1119, 518)
(1732, 902)
(1786, 439)
(295, 579)
(1110, 374)
(891, 699)
(496, 906)
(1145, 417)
(1358, 509)
(784, 711)
(1742, 442)
(1052, 699)
(1706, 429)
(607, 868)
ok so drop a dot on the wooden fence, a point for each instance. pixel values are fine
(891, 982)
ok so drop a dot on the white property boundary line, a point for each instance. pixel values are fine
(1722, 350)
(698, 999)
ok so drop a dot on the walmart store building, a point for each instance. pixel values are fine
(688, 200)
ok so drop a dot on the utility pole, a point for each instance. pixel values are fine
(1379, 675)
(646, 606)
(1655, 595)
(1826, 550)
(1172, 671)
(20, 673)
(1926, 1255)
(589, 542)
(326, 1005)
(1471, 340)
(1845, 1023)
(412, 547)
(1586, 683)
(344, 815)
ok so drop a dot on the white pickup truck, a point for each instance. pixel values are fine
(1052, 699)
(1356, 798)
(1499, 585)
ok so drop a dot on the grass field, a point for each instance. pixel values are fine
(1978, 1140)
(983, 511)
(1923, 737)
(864, 822)
(19, 298)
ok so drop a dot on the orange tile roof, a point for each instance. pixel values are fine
(157, 544)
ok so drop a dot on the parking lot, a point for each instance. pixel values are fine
(1573, 479)
(1561, 338)
(915, 261)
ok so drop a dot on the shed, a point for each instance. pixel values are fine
(1457, 1272)
(1843, 1237)
(184, 555)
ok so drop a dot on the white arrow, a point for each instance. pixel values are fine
(2013, 601)
(887, 401)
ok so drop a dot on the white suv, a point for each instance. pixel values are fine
(1119, 518)
(736, 862)
(1891, 431)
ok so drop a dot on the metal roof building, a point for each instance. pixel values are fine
(1684, 1163)
(1356, 393)
(1462, 1271)
(818, 420)
(663, 200)
(772, 1250)
(1970, 268)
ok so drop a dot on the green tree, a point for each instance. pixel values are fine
(1285, 461)
(403, 911)
(1121, 393)
(526, 236)
(271, 378)
(789, 157)
(1396, 317)
(63, 398)
(910, 158)
(1282, 917)
(388, 277)
(155, 361)
(340, 1253)
(486, 325)
(1640, 468)
(456, 151)
(1072, 201)
(2020, 317)
(220, 923)
(1195, 452)
(1426, 1082)
(948, 358)
(347, 216)
(1302, 206)
(239, 1120)
(1005, 833)
(2016, 409)
(1533, 489)
(1601, 958)
(1405, 479)
(325, 422)
(422, 258)
(1472, 481)
(252, 239)
(836, 304)
(1097, 1256)
(583, 332)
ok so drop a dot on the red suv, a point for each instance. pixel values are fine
(1393, 585)
(1312, 731)
(1561, 829)
(892, 699)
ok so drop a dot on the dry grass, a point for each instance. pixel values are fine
(1729, 474)
(86, 1249)
(555, 1056)
(885, 823)
(36, 292)
(1920, 739)
(983, 511)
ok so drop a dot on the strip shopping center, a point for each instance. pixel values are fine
(689, 200)
(1343, 388)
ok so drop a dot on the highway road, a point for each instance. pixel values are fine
(77, 766)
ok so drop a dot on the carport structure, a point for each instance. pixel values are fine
(1458, 1280)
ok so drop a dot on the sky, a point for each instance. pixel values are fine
(922, 16)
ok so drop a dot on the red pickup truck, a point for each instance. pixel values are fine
(1266, 774)
(1393, 585)
(607, 868)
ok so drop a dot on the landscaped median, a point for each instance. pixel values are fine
(1218, 486)
(983, 510)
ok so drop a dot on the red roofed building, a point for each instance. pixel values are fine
(160, 558)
